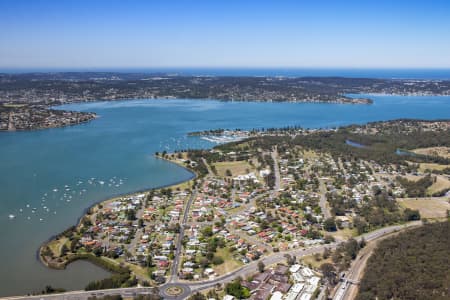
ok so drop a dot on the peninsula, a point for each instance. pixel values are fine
(284, 211)
(26, 99)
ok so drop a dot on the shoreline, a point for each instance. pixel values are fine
(402, 94)
(356, 101)
(349, 100)
(53, 127)
(39, 255)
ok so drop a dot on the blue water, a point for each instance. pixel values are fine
(287, 72)
(355, 144)
(117, 149)
(404, 153)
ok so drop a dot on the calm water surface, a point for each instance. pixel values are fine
(49, 177)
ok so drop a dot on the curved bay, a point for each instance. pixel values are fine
(49, 177)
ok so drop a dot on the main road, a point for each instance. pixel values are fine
(176, 261)
(347, 289)
(278, 257)
(190, 287)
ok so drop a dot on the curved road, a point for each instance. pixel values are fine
(189, 287)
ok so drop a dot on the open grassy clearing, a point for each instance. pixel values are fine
(343, 234)
(434, 151)
(428, 207)
(309, 154)
(56, 245)
(229, 264)
(182, 186)
(441, 183)
(139, 271)
(310, 260)
(430, 166)
(236, 168)
(13, 105)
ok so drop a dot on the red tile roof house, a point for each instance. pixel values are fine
(163, 264)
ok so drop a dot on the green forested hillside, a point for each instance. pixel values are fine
(412, 265)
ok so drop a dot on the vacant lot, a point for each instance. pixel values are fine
(428, 207)
(236, 168)
(430, 166)
(310, 260)
(230, 264)
(434, 151)
(309, 154)
(441, 183)
(343, 234)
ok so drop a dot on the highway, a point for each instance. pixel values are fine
(347, 289)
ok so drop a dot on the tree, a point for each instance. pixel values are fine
(207, 231)
(351, 248)
(326, 253)
(153, 296)
(217, 260)
(197, 296)
(411, 214)
(64, 250)
(328, 239)
(235, 289)
(410, 265)
(49, 290)
(361, 225)
(261, 266)
(329, 224)
(149, 261)
(289, 259)
(204, 262)
(131, 214)
(329, 272)
(362, 243)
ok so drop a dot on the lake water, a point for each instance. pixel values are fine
(49, 177)
(355, 144)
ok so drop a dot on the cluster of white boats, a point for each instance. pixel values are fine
(65, 194)
(222, 139)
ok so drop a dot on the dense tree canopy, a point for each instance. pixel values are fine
(412, 265)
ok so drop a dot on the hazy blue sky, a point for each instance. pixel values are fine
(193, 33)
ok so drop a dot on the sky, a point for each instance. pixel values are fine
(230, 33)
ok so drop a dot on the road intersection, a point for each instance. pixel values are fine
(190, 287)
